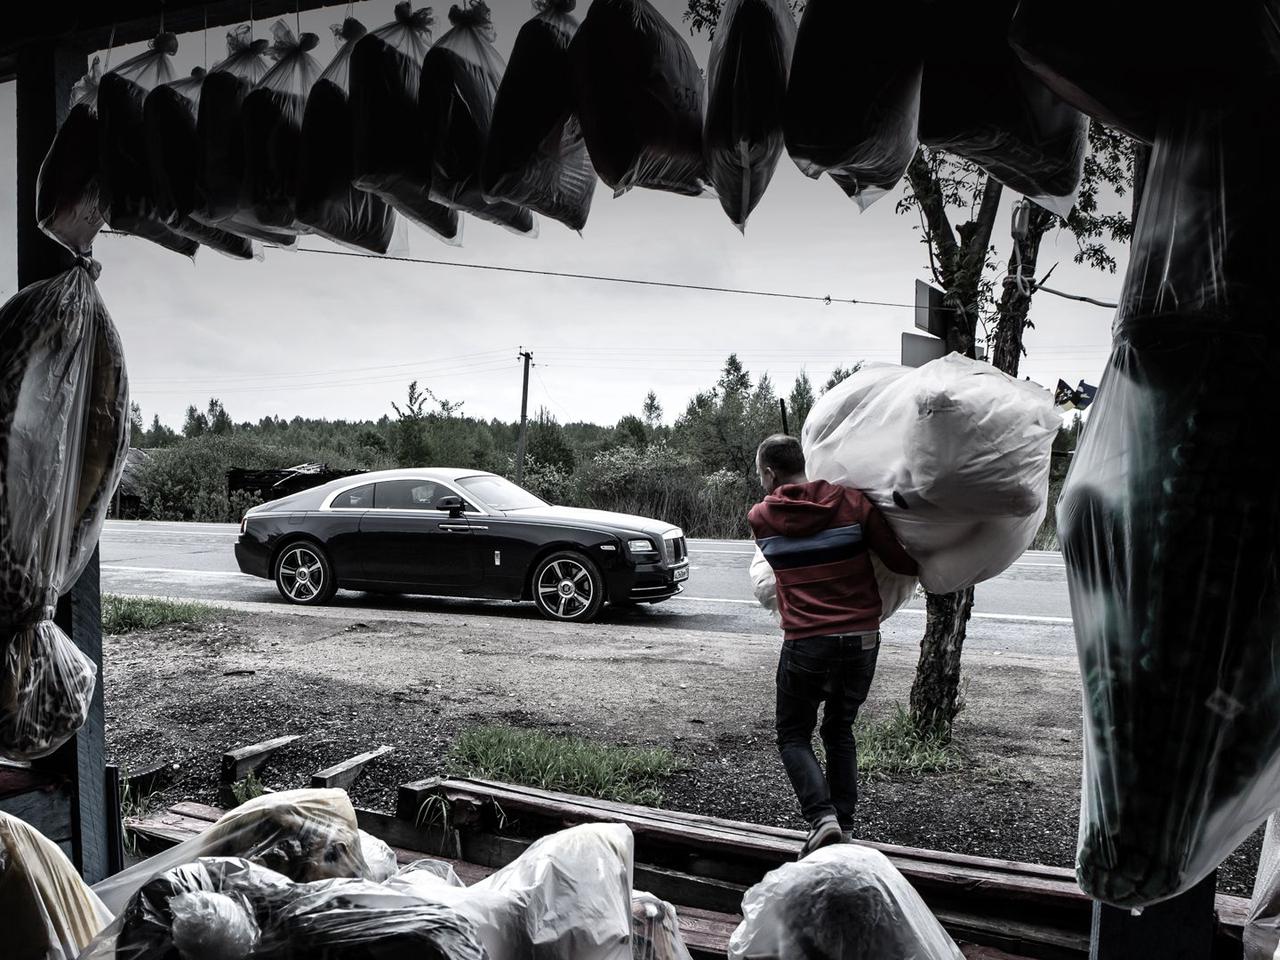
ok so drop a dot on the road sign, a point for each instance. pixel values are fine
(918, 350)
(931, 316)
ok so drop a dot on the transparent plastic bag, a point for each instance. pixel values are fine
(64, 431)
(169, 118)
(303, 834)
(272, 115)
(655, 929)
(955, 454)
(567, 897)
(765, 585)
(638, 92)
(842, 901)
(1146, 60)
(126, 190)
(220, 139)
(536, 156)
(855, 116)
(460, 77)
(68, 206)
(1262, 927)
(390, 160)
(1170, 525)
(379, 859)
(746, 95)
(327, 203)
(979, 101)
(49, 912)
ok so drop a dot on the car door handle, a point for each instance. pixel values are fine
(455, 527)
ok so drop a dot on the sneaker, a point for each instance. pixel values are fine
(846, 833)
(824, 833)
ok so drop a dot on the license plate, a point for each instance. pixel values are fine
(682, 573)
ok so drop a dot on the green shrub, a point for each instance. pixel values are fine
(126, 614)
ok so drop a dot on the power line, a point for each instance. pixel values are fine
(447, 362)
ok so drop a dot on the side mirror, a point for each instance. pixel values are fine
(453, 504)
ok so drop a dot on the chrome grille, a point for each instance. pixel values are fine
(678, 550)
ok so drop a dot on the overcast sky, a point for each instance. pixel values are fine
(310, 335)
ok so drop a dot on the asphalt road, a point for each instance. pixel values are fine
(1023, 612)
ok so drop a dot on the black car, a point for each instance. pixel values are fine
(459, 533)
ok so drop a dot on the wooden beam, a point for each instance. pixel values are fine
(239, 763)
(343, 775)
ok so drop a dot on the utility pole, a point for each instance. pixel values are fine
(524, 417)
(782, 403)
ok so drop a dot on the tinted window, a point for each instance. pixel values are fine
(410, 495)
(361, 498)
(499, 493)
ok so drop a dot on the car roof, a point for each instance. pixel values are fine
(407, 473)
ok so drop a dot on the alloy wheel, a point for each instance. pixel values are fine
(565, 589)
(301, 574)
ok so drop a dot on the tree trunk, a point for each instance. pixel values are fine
(1015, 301)
(935, 694)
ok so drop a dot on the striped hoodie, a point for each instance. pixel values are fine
(816, 536)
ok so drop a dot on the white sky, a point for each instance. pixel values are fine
(319, 336)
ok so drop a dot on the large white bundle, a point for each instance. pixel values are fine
(954, 453)
(842, 901)
(568, 897)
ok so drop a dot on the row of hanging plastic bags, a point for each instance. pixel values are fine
(267, 145)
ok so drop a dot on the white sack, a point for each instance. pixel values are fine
(1262, 928)
(965, 449)
(842, 901)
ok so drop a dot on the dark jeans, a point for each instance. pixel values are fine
(835, 672)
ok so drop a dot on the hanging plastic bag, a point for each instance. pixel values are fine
(855, 117)
(169, 118)
(1169, 526)
(746, 96)
(390, 160)
(272, 115)
(1145, 60)
(304, 834)
(980, 102)
(536, 156)
(64, 429)
(220, 136)
(126, 191)
(567, 897)
(1262, 928)
(68, 207)
(655, 930)
(639, 99)
(327, 203)
(955, 454)
(840, 901)
(460, 77)
(49, 912)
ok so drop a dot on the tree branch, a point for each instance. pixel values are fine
(928, 194)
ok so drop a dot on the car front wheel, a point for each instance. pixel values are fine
(568, 587)
(303, 575)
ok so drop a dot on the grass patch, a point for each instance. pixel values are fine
(250, 788)
(126, 614)
(565, 763)
(893, 746)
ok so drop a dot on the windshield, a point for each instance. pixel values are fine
(499, 493)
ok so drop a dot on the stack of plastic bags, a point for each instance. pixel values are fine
(68, 206)
(955, 454)
(1169, 524)
(48, 911)
(63, 437)
(843, 901)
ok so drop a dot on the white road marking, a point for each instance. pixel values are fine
(1010, 617)
(171, 570)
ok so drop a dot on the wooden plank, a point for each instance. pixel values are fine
(239, 763)
(47, 808)
(685, 888)
(1032, 940)
(343, 775)
(198, 811)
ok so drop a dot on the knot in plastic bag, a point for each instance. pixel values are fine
(555, 6)
(419, 21)
(166, 43)
(286, 45)
(348, 30)
(90, 266)
(474, 15)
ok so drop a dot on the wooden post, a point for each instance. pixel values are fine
(45, 75)
(1178, 929)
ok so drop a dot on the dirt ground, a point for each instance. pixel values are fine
(349, 682)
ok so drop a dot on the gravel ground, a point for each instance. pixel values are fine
(349, 683)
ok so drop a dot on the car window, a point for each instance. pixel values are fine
(409, 495)
(360, 498)
(500, 493)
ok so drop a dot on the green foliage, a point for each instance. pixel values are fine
(412, 449)
(563, 763)
(652, 411)
(547, 443)
(799, 403)
(126, 614)
(840, 375)
(250, 788)
(892, 746)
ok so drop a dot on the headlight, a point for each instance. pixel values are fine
(641, 546)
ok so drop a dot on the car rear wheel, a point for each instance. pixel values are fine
(303, 575)
(568, 587)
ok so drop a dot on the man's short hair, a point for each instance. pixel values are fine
(781, 454)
